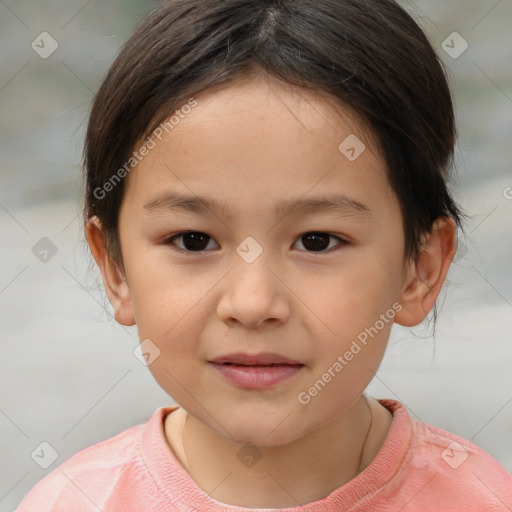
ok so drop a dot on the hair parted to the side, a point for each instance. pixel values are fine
(368, 54)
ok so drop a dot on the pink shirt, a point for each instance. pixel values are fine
(418, 468)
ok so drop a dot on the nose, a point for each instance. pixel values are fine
(253, 295)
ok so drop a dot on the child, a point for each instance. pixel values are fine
(225, 135)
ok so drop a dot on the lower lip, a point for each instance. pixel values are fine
(256, 377)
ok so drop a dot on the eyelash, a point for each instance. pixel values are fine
(170, 241)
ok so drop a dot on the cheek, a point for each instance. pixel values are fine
(178, 368)
(168, 300)
(354, 298)
(342, 376)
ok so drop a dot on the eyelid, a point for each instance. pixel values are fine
(169, 242)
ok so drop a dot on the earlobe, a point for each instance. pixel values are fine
(426, 276)
(114, 280)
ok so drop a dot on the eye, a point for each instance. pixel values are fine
(196, 241)
(318, 241)
(193, 241)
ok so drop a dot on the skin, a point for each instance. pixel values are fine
(252, 144)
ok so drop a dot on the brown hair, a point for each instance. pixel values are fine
(369, 54)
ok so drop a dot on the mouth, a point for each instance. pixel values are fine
(256, 371)
(265, 359)
(260, 365)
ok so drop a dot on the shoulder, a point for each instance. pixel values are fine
(427, 468)
(86, 480)
(459, 471)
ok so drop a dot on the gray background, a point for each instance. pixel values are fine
(68, 373)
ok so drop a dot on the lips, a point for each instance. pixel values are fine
(262, 359)
(256, 371)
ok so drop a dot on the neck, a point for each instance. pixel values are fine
(299, 472)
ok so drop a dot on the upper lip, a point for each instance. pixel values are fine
(264, 358)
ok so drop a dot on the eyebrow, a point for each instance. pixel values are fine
(337, 203)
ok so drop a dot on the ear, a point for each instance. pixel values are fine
(114, 280)
(425, 276)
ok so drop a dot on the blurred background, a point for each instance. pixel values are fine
(69, 377)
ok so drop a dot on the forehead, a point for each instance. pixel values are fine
(263, 97)
(253, 137)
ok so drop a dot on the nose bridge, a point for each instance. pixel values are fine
(252, 292)
(251, 263)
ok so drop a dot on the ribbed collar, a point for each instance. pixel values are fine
(180, 489)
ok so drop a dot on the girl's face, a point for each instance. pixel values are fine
(252, 280)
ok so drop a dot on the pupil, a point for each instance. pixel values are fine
(195, 241)
(317, 243)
